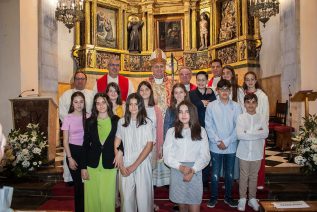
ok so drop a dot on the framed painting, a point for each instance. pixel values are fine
(169, 35)
(106, 27)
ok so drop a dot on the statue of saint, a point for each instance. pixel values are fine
(134, 41)
(203, 28)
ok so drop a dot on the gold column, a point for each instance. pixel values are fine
(125, 25)
(150, 31)
(244, 17)
(186, 26)
(121, 29)
(213, 23)
(77, 33)
(194, 31)
(87, 22)
(144, 32)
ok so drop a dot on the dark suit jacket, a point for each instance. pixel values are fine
(92, 148)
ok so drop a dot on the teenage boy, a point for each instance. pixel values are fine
(216, 70)
(220, 120)
(252, 130)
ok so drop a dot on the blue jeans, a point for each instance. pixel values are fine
(228, 167)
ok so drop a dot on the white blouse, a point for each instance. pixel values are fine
(177, 150)
(252, 130)
(134, 139)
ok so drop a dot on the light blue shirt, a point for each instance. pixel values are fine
(221, 122)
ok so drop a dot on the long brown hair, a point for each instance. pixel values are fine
(194, 125)
(233, 81)
(147, 84)
(173, 100)
(141, 117)
(257, 84)
(117, 88)
(72, 109)
(94, 111)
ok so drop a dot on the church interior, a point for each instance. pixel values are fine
(39, 55)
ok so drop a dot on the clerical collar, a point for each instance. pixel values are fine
(158, 81)
(187, 87)
(109, 77)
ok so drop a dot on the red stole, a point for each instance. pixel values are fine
(210, 82)
(123, 84)
(192, 87)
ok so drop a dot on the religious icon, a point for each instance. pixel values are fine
(170, 35)
(106, 27)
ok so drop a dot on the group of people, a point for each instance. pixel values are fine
(180, 135)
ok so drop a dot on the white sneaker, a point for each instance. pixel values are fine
(241, 205)
(253, 203)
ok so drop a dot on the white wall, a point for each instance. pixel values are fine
(308, 48)
(65, 60)
(29, 45)
(10, 77)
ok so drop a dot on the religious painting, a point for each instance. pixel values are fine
(169, 35)
(106, 27)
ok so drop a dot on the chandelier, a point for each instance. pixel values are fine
(69, 12)
(264, 9)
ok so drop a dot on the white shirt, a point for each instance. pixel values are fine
(64, 101)
(263, 103)
(251, 144)
(134, 139)
(177, 150)
(214, 84)
(150, 111)
(116, 80)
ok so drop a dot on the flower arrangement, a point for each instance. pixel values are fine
(26, 151)
(306, 148)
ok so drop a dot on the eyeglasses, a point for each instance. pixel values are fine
(80, 78)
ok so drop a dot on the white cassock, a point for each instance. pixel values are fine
(137, 189)
(64, 104)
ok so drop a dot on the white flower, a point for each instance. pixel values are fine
(25, 152)
(40, 162)
(33, 139)
(34, 163)
(315, 158)
(314, 147)
(42, 145)
(23, 138)
(37, 151)
(300, 160)
(25, 164)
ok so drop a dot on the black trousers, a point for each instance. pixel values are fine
(76, 152)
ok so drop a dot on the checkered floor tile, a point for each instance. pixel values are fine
(275, 158)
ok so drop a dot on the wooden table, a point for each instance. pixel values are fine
(267, 206)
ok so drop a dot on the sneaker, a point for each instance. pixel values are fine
(212, 203)
(260, 187)
(253, 203)
(231, 202)
(241, 205)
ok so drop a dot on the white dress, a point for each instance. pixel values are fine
(161, 173)
(137, 189)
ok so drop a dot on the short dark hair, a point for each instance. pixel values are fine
(202, 73)
(251, 96)
(223, 83)
(216, 60)
(79, 72)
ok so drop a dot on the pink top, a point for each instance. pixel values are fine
(74, 125)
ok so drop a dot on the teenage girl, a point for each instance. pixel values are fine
(98, 169)
(73, 137)
(186, 151)
(135, 131)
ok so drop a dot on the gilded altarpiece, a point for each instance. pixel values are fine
(208, 28)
